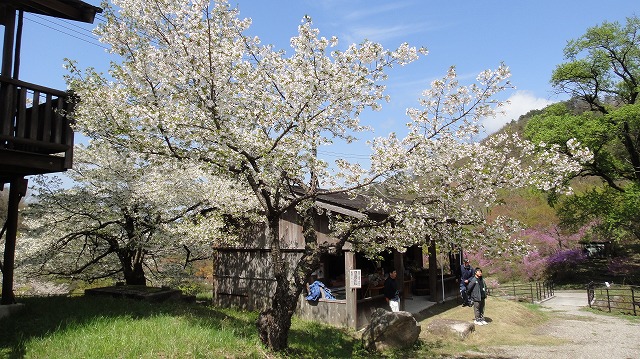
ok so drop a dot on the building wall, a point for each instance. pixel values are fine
(333, 312)
(244, 277)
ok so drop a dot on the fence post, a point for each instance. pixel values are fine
(608, 301)
(538, 291)
(515, 297)
(547, 289)
(531, 290)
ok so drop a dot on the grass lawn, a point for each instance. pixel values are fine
(102, 327)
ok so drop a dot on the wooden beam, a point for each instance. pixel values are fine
(65, 9)
(14, 163)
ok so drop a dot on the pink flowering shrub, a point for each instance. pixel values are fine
(534, 266)
(560, 266)
(552, 251)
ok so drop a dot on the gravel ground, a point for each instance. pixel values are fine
(588, 335)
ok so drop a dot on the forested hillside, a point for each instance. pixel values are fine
(558, 246)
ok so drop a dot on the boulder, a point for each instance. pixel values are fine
(390, 330)
(450, 328)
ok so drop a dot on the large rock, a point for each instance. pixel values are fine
(390, 330)
(450, 328)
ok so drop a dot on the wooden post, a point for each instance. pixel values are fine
(17, 190)
(9, 22)
(351, 293)
(6, 108)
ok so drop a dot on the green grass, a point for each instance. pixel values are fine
(96, 327)
(617, 314)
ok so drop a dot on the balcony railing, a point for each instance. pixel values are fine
(35, 120)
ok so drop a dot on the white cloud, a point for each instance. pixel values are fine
(520, 103)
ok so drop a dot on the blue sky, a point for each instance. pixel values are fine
(528, 36)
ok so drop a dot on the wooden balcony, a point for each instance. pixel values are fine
(35, 129)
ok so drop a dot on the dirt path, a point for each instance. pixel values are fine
(587, 335)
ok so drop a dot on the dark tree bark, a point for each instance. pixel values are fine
(132, 268)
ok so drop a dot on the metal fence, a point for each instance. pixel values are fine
(623, 299)
(532, 292)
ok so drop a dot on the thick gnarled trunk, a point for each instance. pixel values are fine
(275, 322)
(132, 269)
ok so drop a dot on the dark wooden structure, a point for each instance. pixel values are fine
(35, 123)
(243, 274)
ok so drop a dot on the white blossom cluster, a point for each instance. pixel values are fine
(449, 183)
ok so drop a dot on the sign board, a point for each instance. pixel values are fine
(355, 278)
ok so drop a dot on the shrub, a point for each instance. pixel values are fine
(560, 266)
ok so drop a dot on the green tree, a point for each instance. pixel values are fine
(601, 73)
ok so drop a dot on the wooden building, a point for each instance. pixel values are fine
(35, 123)
(243, 275)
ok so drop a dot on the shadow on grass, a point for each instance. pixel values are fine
(44, 316)
(314, 340)
(436, 309)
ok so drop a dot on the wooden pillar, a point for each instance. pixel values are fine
(17, 190)
(18, 46)
(351, 293)
(433, 271)
(9, 22)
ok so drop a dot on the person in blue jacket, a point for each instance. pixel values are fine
(467, 273)
(478, 293)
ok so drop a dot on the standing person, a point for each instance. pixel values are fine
(466, 274)
(391, 293)
(477, 292)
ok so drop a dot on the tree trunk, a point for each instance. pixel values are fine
(274, 323)
(136, 276)
(132, 269)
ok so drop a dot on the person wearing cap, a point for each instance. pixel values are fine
(467, 273)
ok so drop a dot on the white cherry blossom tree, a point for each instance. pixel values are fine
(124, 218)
(189, 84)
(449, 181)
